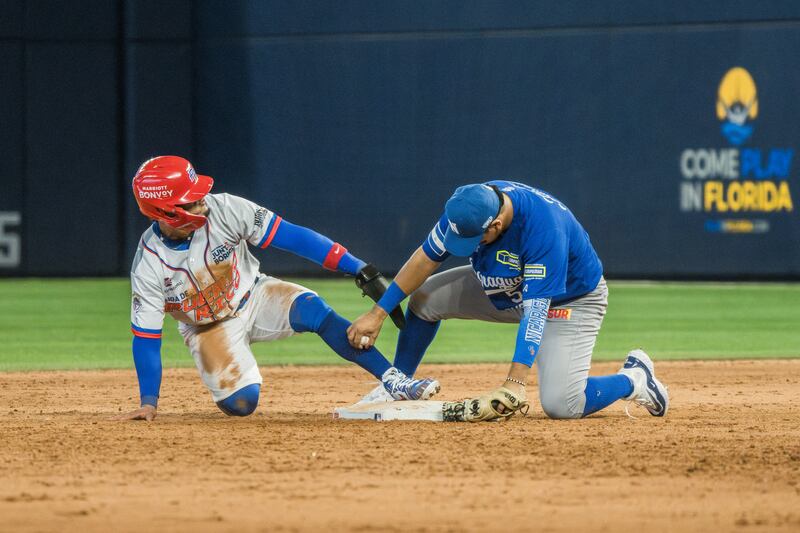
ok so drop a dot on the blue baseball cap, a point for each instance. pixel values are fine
(469, 212)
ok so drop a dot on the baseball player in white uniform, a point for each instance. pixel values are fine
(193, 263)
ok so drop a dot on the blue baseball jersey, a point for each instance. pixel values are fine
(544, 253)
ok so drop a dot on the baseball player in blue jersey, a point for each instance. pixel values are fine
(193, 263)
(531, 262)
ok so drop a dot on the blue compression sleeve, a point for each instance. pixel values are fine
(531, 329)
(147, 358)
(315, 247)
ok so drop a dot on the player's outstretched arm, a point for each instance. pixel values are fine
(147, 358)
(318, 248)
(315, 247)
(363, 332)
(417, 269)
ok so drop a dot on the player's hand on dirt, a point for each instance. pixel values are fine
(145, 412)
(363, 332)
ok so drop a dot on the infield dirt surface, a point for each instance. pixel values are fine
(726, 457)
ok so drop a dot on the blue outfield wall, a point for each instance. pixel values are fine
(359, 118)
(60, 104)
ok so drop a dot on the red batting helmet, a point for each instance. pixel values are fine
(163, 183)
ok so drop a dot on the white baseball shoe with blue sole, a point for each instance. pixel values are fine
(648, 391)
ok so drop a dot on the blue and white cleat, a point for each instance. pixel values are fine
(647, 390)
(401, 387)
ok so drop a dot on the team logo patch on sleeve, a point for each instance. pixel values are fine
(261, 214)
(504, 257)
(535, 271)
(559, 314)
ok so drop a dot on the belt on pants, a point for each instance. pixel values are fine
(247, 295)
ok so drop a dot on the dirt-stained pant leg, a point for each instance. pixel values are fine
(269, 318)
(222, 354)
(565, 354)
(457, 293)
(222, 350)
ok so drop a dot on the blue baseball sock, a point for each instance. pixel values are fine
(309, 312)
(242, 402)
(412, 342)
(604, 390)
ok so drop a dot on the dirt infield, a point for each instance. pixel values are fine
(726, 458)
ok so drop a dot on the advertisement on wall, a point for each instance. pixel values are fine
(739, 184)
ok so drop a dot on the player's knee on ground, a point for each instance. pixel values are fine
(242, 402)
(308, 312)
(557, 402)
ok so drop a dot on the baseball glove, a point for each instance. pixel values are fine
(485, 407)
(373, 284)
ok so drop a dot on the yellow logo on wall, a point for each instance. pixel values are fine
(739, 179)
(737, 102)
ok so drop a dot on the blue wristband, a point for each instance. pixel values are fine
(391, 298)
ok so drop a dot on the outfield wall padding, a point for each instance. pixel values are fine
(359, 119)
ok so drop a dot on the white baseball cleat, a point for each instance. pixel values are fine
(401, 387)
(648, 391)
(376, 395)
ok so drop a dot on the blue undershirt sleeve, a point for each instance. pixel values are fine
(531, 329)
(147, 358)
(315, 247)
